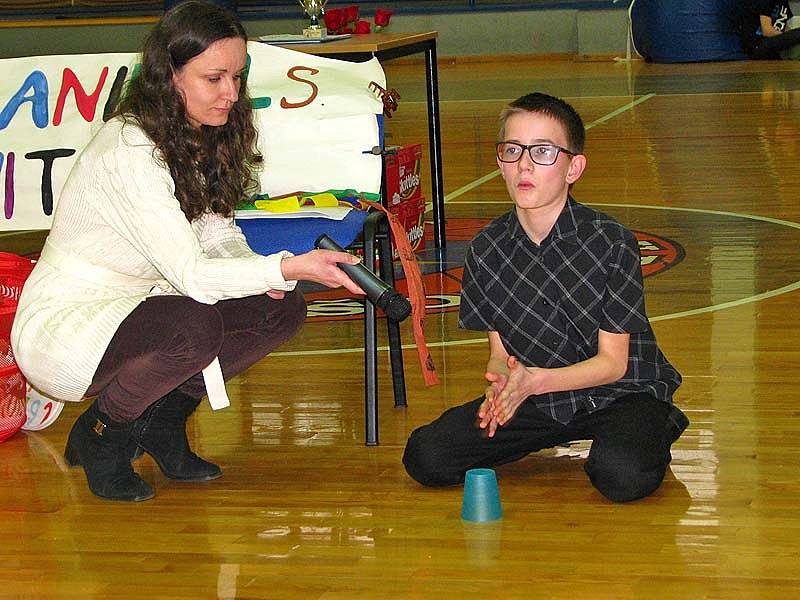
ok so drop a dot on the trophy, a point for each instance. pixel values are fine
(314, 8)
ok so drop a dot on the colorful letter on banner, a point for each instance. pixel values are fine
(316, 117)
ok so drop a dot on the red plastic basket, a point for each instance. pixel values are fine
(14, 270)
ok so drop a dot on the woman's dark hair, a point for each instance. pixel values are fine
(213, 167)
(552, 107)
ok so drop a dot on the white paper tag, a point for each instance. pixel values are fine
(215, 386)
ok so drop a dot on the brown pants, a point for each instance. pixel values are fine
(167, 340)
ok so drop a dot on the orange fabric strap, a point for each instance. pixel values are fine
(416, 291)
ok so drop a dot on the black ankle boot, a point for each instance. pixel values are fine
(100, 446)
(188, 405)
(161, 432)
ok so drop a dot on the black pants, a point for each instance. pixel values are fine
(167, 340)
(629, 455)
(770, 48)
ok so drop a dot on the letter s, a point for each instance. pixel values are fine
(314, 89)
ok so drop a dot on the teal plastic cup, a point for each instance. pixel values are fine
(481, 502)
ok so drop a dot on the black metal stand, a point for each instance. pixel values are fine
(376, 231)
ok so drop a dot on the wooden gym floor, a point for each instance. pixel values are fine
(702, 162)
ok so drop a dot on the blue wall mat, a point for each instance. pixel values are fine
(670, 31)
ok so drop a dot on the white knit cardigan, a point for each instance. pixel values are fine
(119, 236)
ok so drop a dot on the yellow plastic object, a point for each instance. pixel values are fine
(280, 205)
(323, 200)
(290, 204)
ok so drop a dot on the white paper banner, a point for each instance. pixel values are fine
(316, 116)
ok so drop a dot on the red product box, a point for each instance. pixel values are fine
(411, 214)
(404, 192)
(402, 172)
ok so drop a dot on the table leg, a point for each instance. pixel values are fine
(435, 143)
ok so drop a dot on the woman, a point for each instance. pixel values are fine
(144, 280)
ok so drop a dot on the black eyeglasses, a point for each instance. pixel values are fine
(541, 154)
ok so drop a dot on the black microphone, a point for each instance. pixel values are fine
(381, 294)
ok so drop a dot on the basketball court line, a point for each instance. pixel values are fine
(677, 315)
(481, 180)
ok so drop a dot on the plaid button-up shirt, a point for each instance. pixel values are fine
(549, 302)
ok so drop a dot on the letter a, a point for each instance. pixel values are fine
(37, 82)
